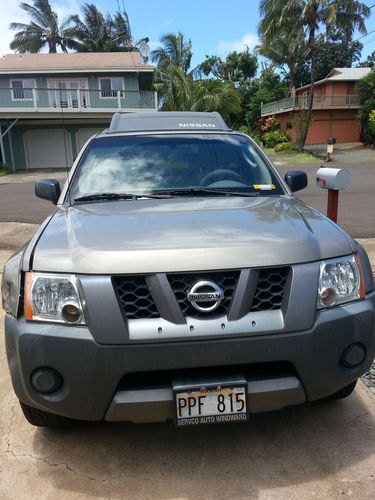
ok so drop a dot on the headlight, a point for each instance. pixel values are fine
(340, 281)
(54, 298)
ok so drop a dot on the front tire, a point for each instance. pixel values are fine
(344, 392)
(41, 418)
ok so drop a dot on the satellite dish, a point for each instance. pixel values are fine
(144, 48)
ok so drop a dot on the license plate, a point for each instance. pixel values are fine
(211, 405)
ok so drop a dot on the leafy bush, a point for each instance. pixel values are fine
(270, 139)
(256, 138)
(4, 170)
(283, 146)
(244, 129)
(366, 91)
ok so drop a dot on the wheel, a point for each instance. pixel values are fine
(42, 418)
(344, 392)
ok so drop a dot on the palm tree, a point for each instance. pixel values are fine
(286, 49)
(43, 30)
(175, 51)
(102, 33)
(288, 15)
(182, 92)
(92, 33)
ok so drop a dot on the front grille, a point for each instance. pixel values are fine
(182, 283)
(134, 297)
(136, 301)
(270, 288)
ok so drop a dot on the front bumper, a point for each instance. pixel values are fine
(92, 372)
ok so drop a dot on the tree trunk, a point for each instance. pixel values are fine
(304, 133)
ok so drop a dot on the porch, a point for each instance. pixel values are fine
(320, 102)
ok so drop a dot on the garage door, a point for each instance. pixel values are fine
(84, 134)
(346, 130)
(48, 149)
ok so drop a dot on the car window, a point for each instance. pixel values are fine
(143, 164)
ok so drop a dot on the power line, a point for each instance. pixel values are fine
(363, 36)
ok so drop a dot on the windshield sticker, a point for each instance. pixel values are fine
(264, 187)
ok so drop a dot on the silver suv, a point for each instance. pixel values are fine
(179, 278)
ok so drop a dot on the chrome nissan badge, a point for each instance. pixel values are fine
(205, 296)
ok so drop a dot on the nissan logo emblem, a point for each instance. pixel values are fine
(205, 296)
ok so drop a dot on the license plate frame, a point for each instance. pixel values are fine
(212, 389)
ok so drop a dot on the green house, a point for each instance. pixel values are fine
(51, 104)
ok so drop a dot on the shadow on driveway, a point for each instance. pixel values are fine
(317, 450)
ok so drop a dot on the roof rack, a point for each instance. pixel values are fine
(166, 120)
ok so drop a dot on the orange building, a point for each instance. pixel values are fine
(335, 107)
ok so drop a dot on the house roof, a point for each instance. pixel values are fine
(73, 62)
(342, 74)
(348, 73)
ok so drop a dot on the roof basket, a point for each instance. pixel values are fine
(166, 120)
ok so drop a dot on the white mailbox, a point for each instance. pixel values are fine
(333, 178)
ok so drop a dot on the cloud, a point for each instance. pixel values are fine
(11, 12)
(248, 40)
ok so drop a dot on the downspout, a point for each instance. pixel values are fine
(2, 135)
(3, 158)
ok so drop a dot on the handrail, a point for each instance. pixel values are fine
(43, 99)
(319, 102)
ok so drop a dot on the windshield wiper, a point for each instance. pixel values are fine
(204, 191)
(119, 196)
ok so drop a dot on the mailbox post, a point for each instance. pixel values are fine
(335, 180)
(331, 141)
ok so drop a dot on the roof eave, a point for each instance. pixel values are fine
(135, 69)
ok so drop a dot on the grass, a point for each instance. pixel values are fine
(291, 157)
(4, 172)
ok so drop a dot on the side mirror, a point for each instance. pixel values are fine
(296, 180)
(48, 189)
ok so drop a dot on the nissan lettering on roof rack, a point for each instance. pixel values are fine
(179, 277)
(197, 125)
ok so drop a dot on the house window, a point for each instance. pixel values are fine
(110, 86)
(22, 90)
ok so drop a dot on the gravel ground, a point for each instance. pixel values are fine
(369, 379)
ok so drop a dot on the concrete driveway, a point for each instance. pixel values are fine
(322, 450)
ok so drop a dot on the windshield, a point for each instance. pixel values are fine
(166, 163)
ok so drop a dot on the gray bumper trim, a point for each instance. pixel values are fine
(156, 405)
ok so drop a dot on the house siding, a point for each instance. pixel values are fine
(341, 124)
(75, 113)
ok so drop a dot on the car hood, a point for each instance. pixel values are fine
(186, 234)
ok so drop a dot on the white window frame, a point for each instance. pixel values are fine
(114, 92)
(23, 88)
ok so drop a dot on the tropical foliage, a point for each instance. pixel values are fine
(313, 16)
(94, 32)
(181, 88)
(44, 30)
(366, 90)
(97, 32)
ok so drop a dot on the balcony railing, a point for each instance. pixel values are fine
(302, 102)
(75, 100)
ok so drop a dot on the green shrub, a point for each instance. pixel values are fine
(256, 138)
(4, 170)
(283, 146)
(244, 129)
(270, 139)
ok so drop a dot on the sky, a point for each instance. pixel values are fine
(214, 26)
